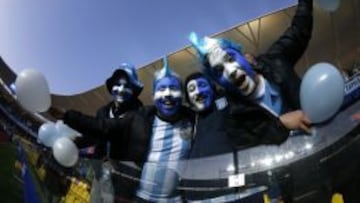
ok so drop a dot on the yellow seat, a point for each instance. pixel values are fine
(337, 198)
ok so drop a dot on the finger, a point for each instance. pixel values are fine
(305, 119)
(305, 128)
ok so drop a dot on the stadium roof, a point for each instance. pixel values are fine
(335, 39)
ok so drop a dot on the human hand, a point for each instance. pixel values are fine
(296, 120)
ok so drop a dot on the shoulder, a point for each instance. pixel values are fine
(145, 111)
(105, 108)
(187, 112)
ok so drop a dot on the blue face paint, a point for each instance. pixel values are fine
(229, 68)
(200, 94)
(241, 60)
(216, 55)
(167, 95)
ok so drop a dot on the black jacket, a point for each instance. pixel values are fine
(250, 125)
(278, 62)
(101, 143)
(210, 138)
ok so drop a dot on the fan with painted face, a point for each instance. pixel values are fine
(226, 64)
(121, 90)
(167, 91)
(199, 92)
(123, 84)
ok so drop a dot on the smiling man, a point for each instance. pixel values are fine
(167, 93)
(199, 92)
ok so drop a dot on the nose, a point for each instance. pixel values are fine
(167, 92)
(121, 88)
(231, 71)
(232, 75)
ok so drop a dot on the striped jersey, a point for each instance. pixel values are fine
(169, 144)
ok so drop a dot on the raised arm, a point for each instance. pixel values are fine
(294, 41)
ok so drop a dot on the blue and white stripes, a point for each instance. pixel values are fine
(170, 143)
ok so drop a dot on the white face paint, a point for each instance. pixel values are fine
(200, 94)
(227, 71)
(167, 92)
(121, 91)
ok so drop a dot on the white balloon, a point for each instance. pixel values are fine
(47, 134)
(328, 5)
(64, 130)
(322, 92)
(65, 152)
(32, 91)
(13, 88)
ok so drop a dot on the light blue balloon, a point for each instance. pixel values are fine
(321, 92)
(47, 134)
(64, 130)
(65, 152)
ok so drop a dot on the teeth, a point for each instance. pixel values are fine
(200, 98)
(167, 102)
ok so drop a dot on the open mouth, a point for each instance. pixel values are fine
(169, 103)
(200, 98)
(240, 81)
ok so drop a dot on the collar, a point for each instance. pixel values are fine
(264, 86)
(260, 88)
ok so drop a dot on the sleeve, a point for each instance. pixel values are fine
(252, 125)
(87, 141)
(95, 127)
(103, 111)
(294, 41)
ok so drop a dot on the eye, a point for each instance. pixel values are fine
(161, 88)
(218, 69)
(229, 58)
(191, 88)
(202, 84)
(173, 87)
